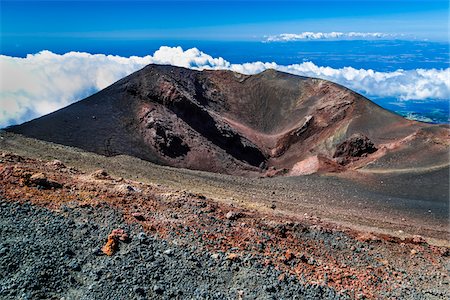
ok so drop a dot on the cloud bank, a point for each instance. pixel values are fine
(44, 82)
(291, 37)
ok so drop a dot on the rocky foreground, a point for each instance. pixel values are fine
(71, 234)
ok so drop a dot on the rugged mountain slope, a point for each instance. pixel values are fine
(220, 121)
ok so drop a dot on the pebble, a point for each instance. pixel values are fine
(168, 252)
(3, 250)
(232, 215)
(74, 266)
(140, 291)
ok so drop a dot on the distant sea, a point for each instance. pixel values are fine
(378, 55)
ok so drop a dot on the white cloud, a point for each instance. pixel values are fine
(43, 82)
(290, 37)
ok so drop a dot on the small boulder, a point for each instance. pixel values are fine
(112, 244)
(38, 179)
(41, 180)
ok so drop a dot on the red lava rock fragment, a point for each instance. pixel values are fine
(120, 234)
(38, 178)
(289, 255)
(112, 245)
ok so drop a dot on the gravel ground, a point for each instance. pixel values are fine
(56, 255)
(383, 204)
(55, 219)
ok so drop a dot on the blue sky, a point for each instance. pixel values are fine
(404, 67)
(23, 22)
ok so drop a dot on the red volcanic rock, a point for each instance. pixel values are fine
(120, 234)
(112, 244)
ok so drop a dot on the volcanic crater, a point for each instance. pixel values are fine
(266, 124)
